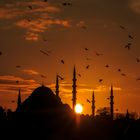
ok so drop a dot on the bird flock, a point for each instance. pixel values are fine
(47, 53)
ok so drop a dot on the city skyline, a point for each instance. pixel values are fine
(42, 39)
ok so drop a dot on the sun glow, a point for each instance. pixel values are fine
(78, 108)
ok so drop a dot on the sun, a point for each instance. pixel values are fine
(78, 108)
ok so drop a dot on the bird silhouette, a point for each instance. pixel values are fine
(100, 80)
(88, 101)
(107, 66)
(86, 49)
(62, 61)
(87, 67)
(88, 59)
(43, 76)
(122, 27)
(79, 75)
(137, 79)
(43, 52)
(123, 74)
(66, 4)
(128, 46)
(119, 70)
(13, 101)
(30, 7)
(17, 81)
(130, 36)
(0, 53)
(60, 77)
(138, 60)
(98, 54)
(29, 20)
(45, 0)
(18, 66)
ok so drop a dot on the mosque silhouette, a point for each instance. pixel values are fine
(43, 116)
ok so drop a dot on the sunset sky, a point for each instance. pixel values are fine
(104, 34)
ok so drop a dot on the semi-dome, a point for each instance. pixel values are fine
(40, 99)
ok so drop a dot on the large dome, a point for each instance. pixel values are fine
(41, 98)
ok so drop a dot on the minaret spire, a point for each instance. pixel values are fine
(19, 100)
(57, 86)
(93, 104)
(111, 103)
(74, 88)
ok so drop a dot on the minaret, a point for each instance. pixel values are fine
(127, 115)
(111, 103)
(19, 101)
(57, 86)
(93, 104)
(74, 89)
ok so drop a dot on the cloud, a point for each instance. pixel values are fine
(40, 25)
(81, 24)
(21, 9)
(30, 36)
(35, 17)
(104, 88)
(135, 6)
(9, 84)
(30, 72)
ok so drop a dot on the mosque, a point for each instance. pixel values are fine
(43, 99)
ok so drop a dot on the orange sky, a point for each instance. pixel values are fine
(63, 32)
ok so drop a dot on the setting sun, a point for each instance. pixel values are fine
(78, 108)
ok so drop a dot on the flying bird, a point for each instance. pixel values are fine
(138, 79)
(0, 53)
(88, 59)
(66, 3)
(86, 49)
(122, 27)
(79, 75)
(123, 74)
(17, 81)
(62, 61)
(98, 54)
(88, 100)
(138, 60)
(131, 37)
(29, 20)
(13, 101)
(100, 80)
(119, 70)
(43, 76)
(87, 67)
(128, 46)
(43, 52)
(45, 0)
(107, 66)
(30, 7)
(60, 77)
(18, 66)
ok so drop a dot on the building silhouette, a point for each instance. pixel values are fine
(111, 103)
(42, 98)
(18, 101)
(93, 104)
(74, 89)
(57, 86)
